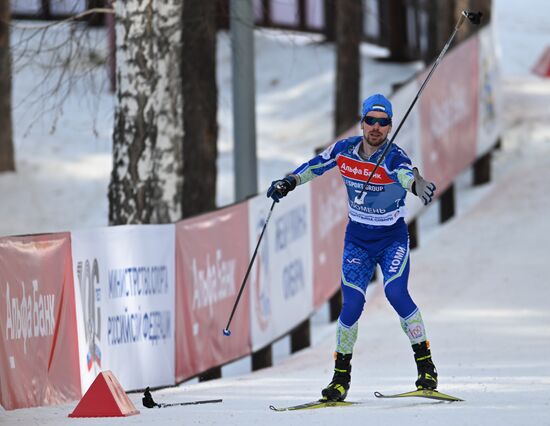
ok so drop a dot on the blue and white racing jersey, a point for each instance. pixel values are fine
(383, 201)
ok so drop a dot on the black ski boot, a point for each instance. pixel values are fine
(427, 373)
(337, 390)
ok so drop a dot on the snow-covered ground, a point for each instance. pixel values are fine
(480, 279)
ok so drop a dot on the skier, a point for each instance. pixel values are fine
(376, 234)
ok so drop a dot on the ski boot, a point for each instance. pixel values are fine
(337, 389)
(427, 373)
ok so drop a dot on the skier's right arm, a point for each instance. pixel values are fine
(318, 165)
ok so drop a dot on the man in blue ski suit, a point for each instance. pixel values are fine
(376, 234)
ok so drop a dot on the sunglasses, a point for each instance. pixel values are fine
(371, 121)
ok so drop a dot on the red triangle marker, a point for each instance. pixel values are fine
(542, 67)
(105, 398)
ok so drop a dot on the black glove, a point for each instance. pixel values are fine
(422, 188)
(279, 188)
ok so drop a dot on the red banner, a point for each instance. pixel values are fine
(329, 218)
(211, 261)
(38, 337)
(449, 114)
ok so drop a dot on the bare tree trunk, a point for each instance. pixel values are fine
(7, 161)
(440, 27)
(146, 180)
(200, 108)
(445, 19)
(330, 11)
(396, 31)
(349, 31)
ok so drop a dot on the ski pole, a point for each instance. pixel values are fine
(149, 402)
(226, 331)
(474, 18)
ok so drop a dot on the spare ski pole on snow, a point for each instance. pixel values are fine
(226, 331)
(150, 403)
(474, 18)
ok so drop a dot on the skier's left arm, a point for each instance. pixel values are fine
(410, 178)
(422, 188)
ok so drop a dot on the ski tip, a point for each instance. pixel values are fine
(273, 408)
(422, 393)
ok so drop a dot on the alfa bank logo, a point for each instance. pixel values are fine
(362, 171)
(214, 282)
(30, 314)
(347, 169)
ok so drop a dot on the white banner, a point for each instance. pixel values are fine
(409, 136)
(281, 278)
(489, 125)
(125, 301)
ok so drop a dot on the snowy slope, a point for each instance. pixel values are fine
(480, 281)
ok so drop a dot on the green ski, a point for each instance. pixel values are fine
(421, 393)
(321, 403)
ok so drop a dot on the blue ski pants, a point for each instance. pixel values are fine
(364, 248)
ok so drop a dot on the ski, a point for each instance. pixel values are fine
(148, 401)
(421, 393)
(321, 403)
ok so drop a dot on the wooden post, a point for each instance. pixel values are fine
(429, 10)
(444, 15)
(302, 11)
(213, 373)
(482, 170)
(300, 338)
(45, 12)
(335, 304)
(330, 20)
(349, 31)
(395, 12)
(447, 204)
(413, 234)
(7, 156)
(222, 14)
(262, 358)
(266, 17)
